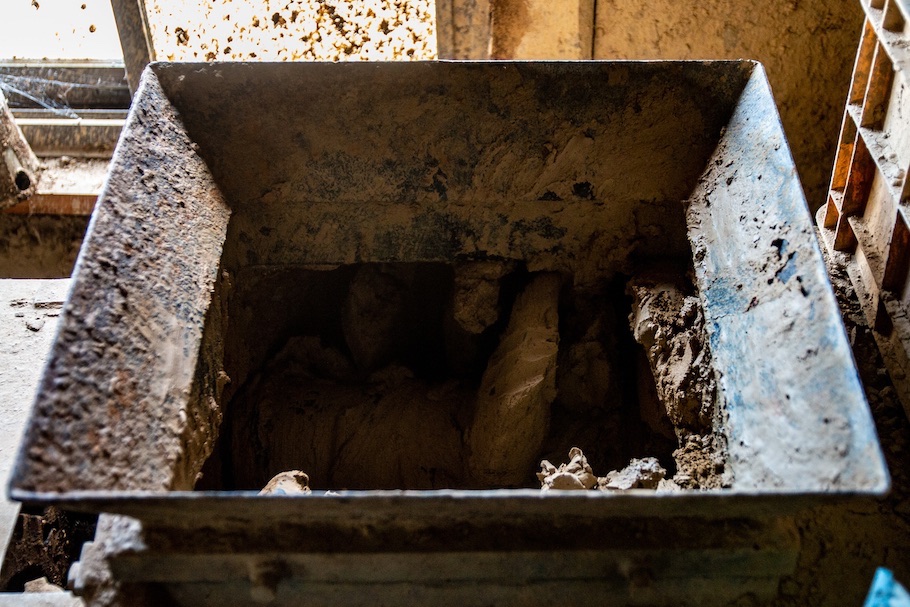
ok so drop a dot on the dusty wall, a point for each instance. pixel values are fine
(807, 47)
(39, 246)
(269, 30)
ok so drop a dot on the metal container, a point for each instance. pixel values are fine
(226, 171)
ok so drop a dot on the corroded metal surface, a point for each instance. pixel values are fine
(135, 316)
(775, 329)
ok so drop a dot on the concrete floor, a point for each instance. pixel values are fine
(29, 311)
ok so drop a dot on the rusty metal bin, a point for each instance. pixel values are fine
(228, 170)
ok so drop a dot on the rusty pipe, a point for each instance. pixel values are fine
(21, 177)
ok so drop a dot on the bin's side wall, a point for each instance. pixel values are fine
(795, 419)
(114, 402)
(483, 133)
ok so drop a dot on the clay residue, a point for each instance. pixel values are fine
(670, 327)
(476, 301)
(643, 473)
(586, 371)
(292, 482)
(44, 543)
(700, 462)
(42, 585)
(668, 321)
(391, 431)
(576, 474)
(373, 311)
(435, 376)
(366, 413)
(513, 403)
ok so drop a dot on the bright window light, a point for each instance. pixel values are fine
(59, 29)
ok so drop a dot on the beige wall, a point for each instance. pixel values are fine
(807, 47)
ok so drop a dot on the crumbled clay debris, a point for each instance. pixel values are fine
(646, 473)
(669, 325)
(667, 485)
(391, 431)
(293, 30)
(44, 543)
(310, 405)
(42, 585)
(292, 482)
(643, 473)
(307, 408)
(577, 474)
(700, 463)
(34, 324)
(476, 301)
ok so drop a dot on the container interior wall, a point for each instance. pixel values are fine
(592, 192)
(582, 175)
(313, 397)
(424, 133)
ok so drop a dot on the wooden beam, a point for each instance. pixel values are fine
(50, 203)
(543, 29)
(463, 29)
(135, 38)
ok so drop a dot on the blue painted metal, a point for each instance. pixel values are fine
(886, 591)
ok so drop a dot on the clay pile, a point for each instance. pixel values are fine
(292, 482)
(669, 324)
(362, 416)
(432, 376)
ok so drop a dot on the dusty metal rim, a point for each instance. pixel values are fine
(172, 507)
